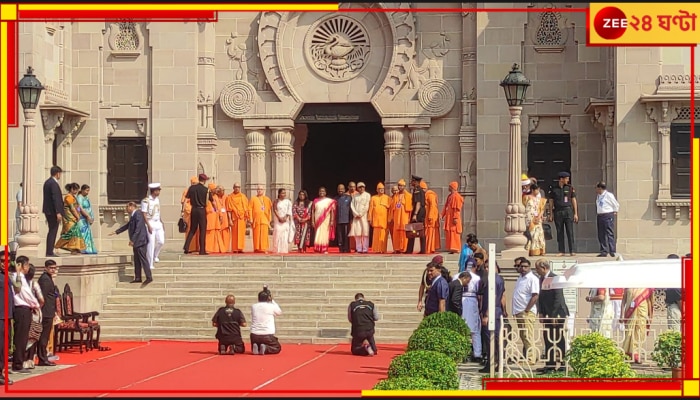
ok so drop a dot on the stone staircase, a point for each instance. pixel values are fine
(312, 290)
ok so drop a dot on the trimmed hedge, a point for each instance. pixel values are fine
(442, 340)
(405, 383)
(436, 367)
(595, 356)
(447, 320)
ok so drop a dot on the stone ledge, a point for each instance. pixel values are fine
(94, 261)
(675, 204)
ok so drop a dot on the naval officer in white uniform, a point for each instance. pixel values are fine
(150, 207)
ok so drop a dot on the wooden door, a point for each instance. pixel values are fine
(680, 160)
(547, 156)
(127, 169)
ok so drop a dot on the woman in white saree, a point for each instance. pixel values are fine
(283, 223)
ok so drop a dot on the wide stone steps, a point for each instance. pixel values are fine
(289, 315)
(274, 286)
(404, 305)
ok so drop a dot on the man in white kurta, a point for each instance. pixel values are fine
(360, 226)
(470, 310)
(150, 207)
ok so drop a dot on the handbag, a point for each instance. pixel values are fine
(547, 231)
(182, 225)
(414, 230)
(35, 328)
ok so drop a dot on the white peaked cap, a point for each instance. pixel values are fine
(154, 185)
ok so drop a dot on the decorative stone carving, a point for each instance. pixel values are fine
(54, 95)
(551, 35)
(72, 125)
(337, 47)
(677, 83)
(405, 50)
(683, 113)
(237, 98)
(564, 123)
(268, 26)
(431, 68)
(125, 39)
(205, 61)
(238, 53)
(533, 123)
(437, 97)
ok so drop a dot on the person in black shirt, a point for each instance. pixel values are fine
(362, 314)
(228, 321)
(418, 213)
(344, 218)
(198, 194)
(563, 210)
(48, 310)
(454, 303)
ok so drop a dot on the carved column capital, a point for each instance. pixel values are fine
(111, 126)
(255, 140)
(281, 139)
(71, 125)
(418, 137)
(664, 128)
(51, 120)
(393, 138)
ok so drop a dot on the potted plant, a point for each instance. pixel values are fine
(667, 352)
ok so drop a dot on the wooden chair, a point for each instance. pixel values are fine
(85, 317)
(64, 332)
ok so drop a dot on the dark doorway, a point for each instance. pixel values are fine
(547, 156)
(337, 153)
(127, 169)
(680, 160)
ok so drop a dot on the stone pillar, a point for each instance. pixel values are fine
(51, 120)
(301, 133)
(515, 211)
(255, 151)
(282, 153)
(64, 158)
(609, 154)
(664, 160)
(419, 151)
(206, 135)
(467, 129)
(29, 238)
(394, 155)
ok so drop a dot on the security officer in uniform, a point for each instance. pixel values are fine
(150, 207)
(418, 214)
(362, 314)
(563, 209)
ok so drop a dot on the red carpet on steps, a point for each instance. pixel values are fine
(185, 369)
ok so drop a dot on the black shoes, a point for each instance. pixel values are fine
(147, 281)
(47, 364)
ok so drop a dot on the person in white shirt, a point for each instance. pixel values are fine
(262, 326)
(525, 296)
(25, 304)
(150, 208)
(607, 208)
(471, 304)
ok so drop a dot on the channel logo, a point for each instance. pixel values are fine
(610, 23)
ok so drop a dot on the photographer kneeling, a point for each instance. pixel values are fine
(262, 326)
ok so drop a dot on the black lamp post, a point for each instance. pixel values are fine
(30, 89)
(515, 85)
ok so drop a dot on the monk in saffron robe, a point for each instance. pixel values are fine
(214, 243)
(238, 217)
(452, 214)
(378, 216)
(261, 217)
(432, 219)
(186, 214)
(225, 228)
(401, 208)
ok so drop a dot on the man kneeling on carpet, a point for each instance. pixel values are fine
(228, 321)
(362, 314)
(262, 327)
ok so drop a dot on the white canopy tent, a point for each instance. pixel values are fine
(662, 274)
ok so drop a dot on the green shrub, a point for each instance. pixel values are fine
(436, 367)
(442, 340)
(405, 383)
(595, 356)
(447, 320)
(667, 350)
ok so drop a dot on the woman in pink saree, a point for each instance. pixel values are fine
(637, 311)
(323, 217)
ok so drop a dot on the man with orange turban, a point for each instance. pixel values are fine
(400, 215)
(186, 213)
(378, 217)
(432, 219)
(238, 216)
(452, 214)
(261, 216)
(214, 239)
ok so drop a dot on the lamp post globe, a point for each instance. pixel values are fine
(30, 89)
(515, 86)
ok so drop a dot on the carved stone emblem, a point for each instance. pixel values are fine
(237, 98)
(437, 97)
(338, 48)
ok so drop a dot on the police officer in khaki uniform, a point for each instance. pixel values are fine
(563, 209)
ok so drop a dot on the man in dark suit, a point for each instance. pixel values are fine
(454, 301)
(418, 214)
(138, 240)
(7, 294)
(553, 312)
(52, 207)
(48, 311)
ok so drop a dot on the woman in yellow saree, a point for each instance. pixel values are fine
(637, 311)
(71, 239)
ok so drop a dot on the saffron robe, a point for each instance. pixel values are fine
(378, 216)
(239, 214)
(400, 215)
(261, 216)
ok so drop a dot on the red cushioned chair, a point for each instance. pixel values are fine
(65, 331)
(85, 317)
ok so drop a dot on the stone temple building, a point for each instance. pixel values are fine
(298, 100)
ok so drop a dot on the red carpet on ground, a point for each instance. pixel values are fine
(182, 369)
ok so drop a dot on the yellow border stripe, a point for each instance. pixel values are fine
(520, 393)
(3, 133)
(180, 7)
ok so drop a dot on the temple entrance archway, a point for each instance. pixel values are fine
(344, 142)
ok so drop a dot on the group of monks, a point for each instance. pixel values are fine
(231, 217)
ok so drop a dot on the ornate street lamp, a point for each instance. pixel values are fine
(515, 86)
(30, 89)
